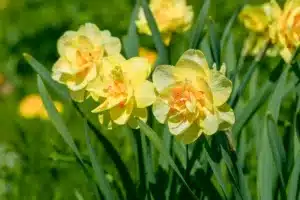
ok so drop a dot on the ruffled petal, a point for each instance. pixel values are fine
(121, 114)
(192, 64)
(163, 77)
(136, 70)
(160, 110)
(190, 135)
(144, 94)
(221, 87)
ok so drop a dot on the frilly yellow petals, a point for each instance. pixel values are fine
(254, 18)
(81, 53)
(170, 15)
(122, 89)
(191, 97)
(282, 28)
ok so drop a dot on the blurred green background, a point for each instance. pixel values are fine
(34, 161)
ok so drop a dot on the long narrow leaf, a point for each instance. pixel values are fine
(158, 145)
(255, 103)
(46, 76)
(215, 44)
(159, 44)
(56, 118)
(199, 25)
(114, 155)
(293, 183)
(131, 40)
(276, 147)
(99, 172)
(229, 25)
(215, 168)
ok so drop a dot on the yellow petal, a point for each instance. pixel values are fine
(65, 47)
(121, 114)
(226, 117)
(112, 45)
(160, 110)
(144, 94)
(108, 104)
(210, 124)
(192, 64)
(178, 125)
(140, 113)
(163, 77)
(286, 54)
(136, 70)
(221, 87)
(190, 135)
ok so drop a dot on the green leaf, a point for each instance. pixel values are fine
(46, 76)
(296, 127)
(277, 148)
(230, 57)
(254, 104)
(266, 171)
(56, 119)
(159, 146)
(159, 44)
(237, 92)
(99, 172)
(199, 26)
(292, 188)
(215, 44)
(114, 155)
(131, 40)
(215, 168)
(229, 25)
(232, 164)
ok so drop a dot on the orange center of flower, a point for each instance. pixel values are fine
(118, 90)
(181, 95)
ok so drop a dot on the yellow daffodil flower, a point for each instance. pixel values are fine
(123, 90)
(32, 107)
(192, 97)
(258, 19)
(170, 15)
(150, 55)
(81, 53)
(286, 31)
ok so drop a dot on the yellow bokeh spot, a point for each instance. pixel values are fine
(32, 107)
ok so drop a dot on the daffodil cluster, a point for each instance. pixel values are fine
(190, 97)
(271, 23)
(171, 16)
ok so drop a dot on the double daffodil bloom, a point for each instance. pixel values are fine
(286, 31)
(32, 107)
(123, 90)
(171, 16)
(258, 20)
(192, 97)
(81, 53)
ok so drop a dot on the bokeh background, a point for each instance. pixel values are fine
(34, 161)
